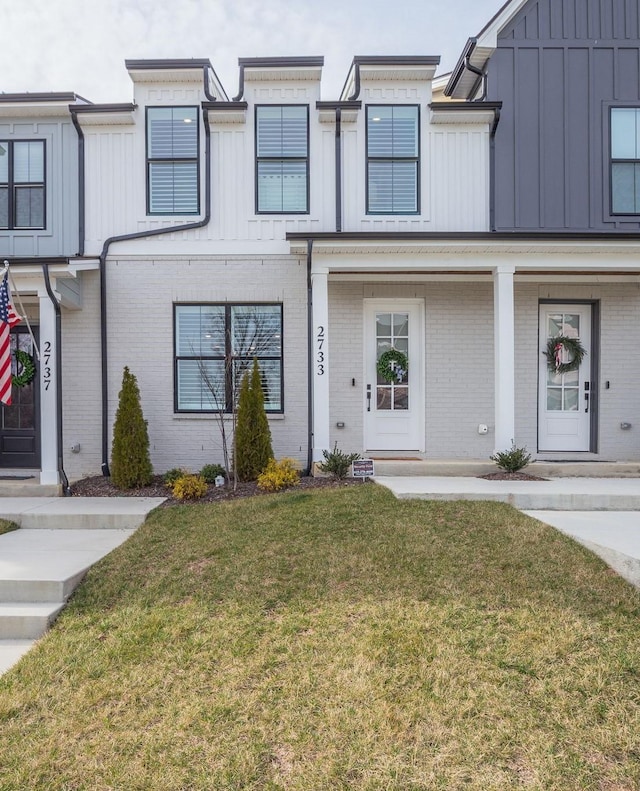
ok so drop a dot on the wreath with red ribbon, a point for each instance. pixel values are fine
(555, 354)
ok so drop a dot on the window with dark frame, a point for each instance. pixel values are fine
(215, 344)
(282, 159)
(625, 160)
(172, 160)
(393, 158)
(22, 184)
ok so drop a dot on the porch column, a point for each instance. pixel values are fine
(48, 399)
(320, 346)
(504, 351)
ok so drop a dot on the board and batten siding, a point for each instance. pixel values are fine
(558, 68)
(60, 236)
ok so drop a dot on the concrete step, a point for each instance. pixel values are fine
(78, 513)
(477, 467)
(17, 482)
(43, 590)
(22, 620)
(11, 651)
(559, 494)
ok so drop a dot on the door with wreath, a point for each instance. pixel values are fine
(20, 421)
(566, 393)
(394, 375)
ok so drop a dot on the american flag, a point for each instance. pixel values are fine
(8, 318)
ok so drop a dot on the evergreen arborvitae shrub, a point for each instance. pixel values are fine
(253, 438)
(130, 462)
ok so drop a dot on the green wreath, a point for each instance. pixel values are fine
(393, 365)
(27, 367)
(553, 353)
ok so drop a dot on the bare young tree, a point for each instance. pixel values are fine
(252, 334)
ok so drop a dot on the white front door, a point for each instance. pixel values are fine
(564, 400)
(394, 410)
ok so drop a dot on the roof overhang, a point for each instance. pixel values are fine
(471, 252)
(464, 78)
(176, 70)
(50, 105)
(464, 112)
(104, 114)
(291, 69)
(394, 68)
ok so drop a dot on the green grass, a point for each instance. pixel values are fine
(7, 527)
(334, 640)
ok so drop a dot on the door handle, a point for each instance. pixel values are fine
(368, 398)
(587, 387)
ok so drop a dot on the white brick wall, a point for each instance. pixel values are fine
(458, 353)
(81, 382)
(459, 383)
(141, 294)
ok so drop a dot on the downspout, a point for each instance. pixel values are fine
(103, 284)
(492, 170)
(338, 170)
(309, 469)
(356, 88)
(480, 72)
(238, 98)
(81, 182)
(205, 85)
(56, 306)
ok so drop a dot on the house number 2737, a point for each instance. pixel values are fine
(46, 357)
(320, 353)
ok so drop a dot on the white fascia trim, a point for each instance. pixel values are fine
(488, 36)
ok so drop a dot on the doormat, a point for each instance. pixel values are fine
(17, 477)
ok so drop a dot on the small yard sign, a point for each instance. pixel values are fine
(362, 468)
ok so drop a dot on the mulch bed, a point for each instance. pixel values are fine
(99, 486)
(511, 476)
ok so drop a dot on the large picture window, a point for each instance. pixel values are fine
(216, 344)
(392, 159)
(22, 184)
(625, 160)
(282, 159)
(172, 160)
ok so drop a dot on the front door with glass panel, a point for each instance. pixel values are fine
(565, 399)
(394, 405)
(19, 429)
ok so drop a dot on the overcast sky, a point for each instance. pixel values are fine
(81, 45)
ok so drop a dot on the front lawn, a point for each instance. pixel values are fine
(335, 639)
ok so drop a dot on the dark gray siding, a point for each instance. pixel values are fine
(559, 67)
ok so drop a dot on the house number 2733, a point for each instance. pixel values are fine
(320, 353)
(46, 357)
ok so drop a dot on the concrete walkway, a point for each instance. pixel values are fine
(42, 563)
(603, 514)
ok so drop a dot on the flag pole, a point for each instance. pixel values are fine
(16, 293)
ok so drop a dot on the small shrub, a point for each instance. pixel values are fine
(211, 471)
(337, 463)
(278, 475)
(512, 460)
(190, 487)
(171, 476)
(253, 436)
(130, 463)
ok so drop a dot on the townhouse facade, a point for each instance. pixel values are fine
(398, 259)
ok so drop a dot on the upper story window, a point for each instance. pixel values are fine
(216, 344)
(282, 159)
(393, 152)
(172, 160)
(22, 184)
(625, 160)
